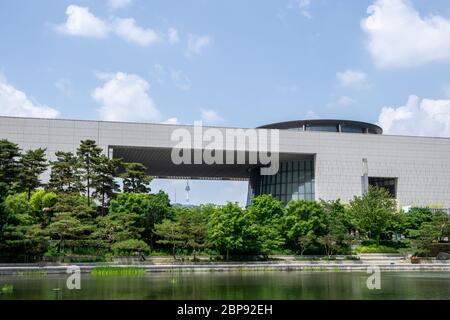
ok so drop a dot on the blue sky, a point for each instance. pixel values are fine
(230, 63)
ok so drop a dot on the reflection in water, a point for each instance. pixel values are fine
(235, 285)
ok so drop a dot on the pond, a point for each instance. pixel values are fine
(233, 285)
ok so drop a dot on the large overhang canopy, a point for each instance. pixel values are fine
(160, 164)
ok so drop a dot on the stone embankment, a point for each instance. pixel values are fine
(386, 262)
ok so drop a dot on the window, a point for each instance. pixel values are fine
(390, 184)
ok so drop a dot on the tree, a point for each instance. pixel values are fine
(118, 226)
(151, 209)
(9, 166)
(414, 219)
(305, 242)
(21, 236)
(374, 212)
(329, 243)
(186, 230)
(170, 233)
(267, 213)
(193, 224)
(104, 180)
(41, 203)
(303, 218)
(135, 178)
(338, 228)
(65, 226)
(130, 246)
(32, 165)
(88, 158)
(65, 175)
(77, 205)
(230, 230)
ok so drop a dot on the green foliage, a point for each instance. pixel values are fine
(88, 158)
(32, 165)
(65, 174)
(171, 234)
(267, 214)
(375, 249)
(9, 166)
(433, 231)
(374, 212)
(41, 202)
(303, 218)
(150, 208)
(118, 226)
(6, 289)
(104, 180)
(117, 271)
(187, 229)
(130, 247)
(230, 230)
(135, 178)
(66, 225)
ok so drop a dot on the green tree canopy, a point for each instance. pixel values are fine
(88, 159)
(65, 175)
(32, 164)
(374, 212)
(135, 178)
(104, 180)
(303, 219)
(9, 166)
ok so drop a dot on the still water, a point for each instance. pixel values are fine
(234, 285)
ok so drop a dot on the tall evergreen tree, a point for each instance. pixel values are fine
(88, 158)
(32, 164)
(135, 178)
(65, 176)
(9, 166)
(104, 179)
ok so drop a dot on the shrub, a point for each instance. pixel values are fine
(130, 247)
(375, 249)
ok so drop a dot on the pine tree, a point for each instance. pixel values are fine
(135, 178)
(32, 164)
(88, 158)
(104, 180)
(9, 166)
(65, 176)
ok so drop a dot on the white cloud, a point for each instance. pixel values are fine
(399, 37)
(352, 79)
(311, 114)
(171, 121)
(14, 102)
(81, 22)
(173, 36)
(124, 97)
(210, 116)
(418, 117)
(180, 80)
(118, 4)
(129, 31)
(65, 86)
(196, 44)
(302, 6)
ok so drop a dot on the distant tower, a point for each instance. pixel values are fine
(187, 191)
